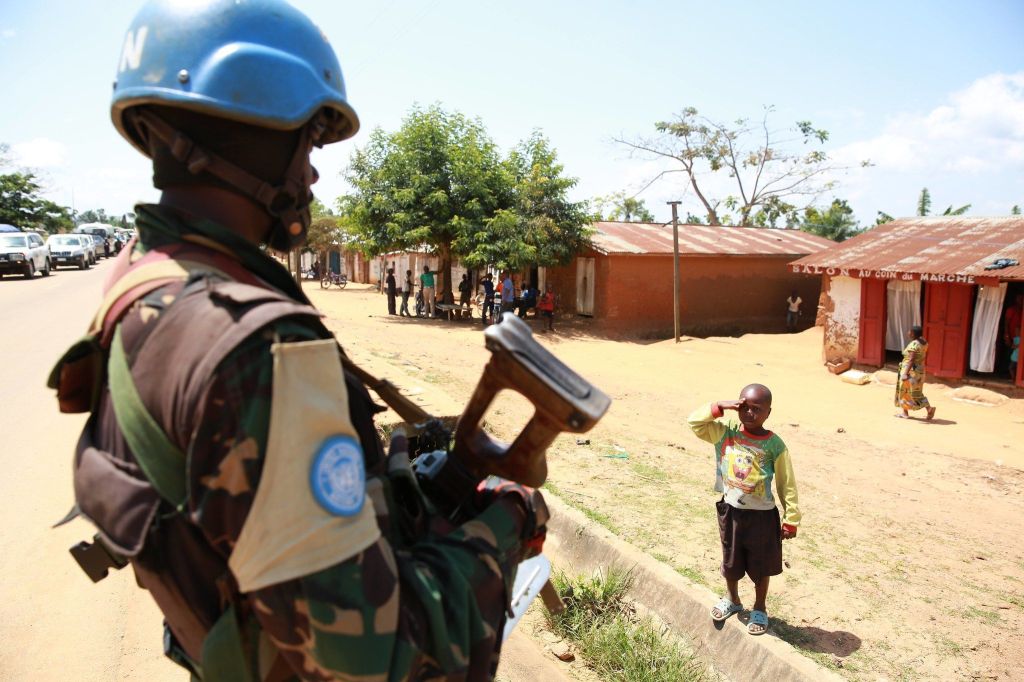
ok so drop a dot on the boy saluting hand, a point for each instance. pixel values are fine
(748, 457)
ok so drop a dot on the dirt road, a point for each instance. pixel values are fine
(54, 623)
(908, 564)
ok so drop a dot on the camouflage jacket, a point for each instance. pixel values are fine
(428, 608)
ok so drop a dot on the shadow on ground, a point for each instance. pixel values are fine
(810, 638)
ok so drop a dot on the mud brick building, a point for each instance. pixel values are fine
(954, 276)
(732, 279)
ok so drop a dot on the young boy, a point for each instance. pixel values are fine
(748, 456)
(546, 307)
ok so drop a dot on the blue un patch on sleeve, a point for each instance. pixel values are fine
(338, 477)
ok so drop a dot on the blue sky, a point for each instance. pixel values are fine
(931, 92)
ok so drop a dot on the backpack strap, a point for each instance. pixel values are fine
(161, 460)
(237, 311)
(159, 267)
(78, 375)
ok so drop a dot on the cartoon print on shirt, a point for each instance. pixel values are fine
(745, 467)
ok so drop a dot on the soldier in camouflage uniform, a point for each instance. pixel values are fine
(230, 455)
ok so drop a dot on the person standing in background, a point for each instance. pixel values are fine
(392, 291)
(508, 293)
(427, 282)
(793, 311)
(406, 293)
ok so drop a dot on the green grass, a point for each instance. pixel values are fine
(650, 473)
(949, 647)
(692, 574)
(617, 644)
(974, 613)
(594, 515)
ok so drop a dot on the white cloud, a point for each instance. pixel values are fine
(7, 33)
(979, 129)
(40, 152)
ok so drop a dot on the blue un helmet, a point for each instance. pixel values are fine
(256, 62)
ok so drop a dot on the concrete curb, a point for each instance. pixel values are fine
(577, 545)
(525, 660)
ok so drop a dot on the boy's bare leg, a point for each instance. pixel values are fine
(733, 586)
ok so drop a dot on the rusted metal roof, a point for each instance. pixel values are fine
(944, 246)
(704, 240)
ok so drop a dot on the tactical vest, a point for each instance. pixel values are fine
(129, 469)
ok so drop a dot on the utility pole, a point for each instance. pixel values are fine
(675, 264)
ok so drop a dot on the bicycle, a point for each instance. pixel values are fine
(333, 278)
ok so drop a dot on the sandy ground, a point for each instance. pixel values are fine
(908, 564)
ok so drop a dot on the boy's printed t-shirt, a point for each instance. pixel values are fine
(747, 464)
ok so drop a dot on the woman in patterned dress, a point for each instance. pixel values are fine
(910, 386)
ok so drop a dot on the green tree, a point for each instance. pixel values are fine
(53, 218)
(883, 218)
(618, 206)
(1015, 210)
(770, 169)
(21, 204)
(835, 222)
(439, 181)
(97, 215)
(924, 202)
(924, 205)
(426, 184)
(773, 211)
(19, 198)
(540, 226)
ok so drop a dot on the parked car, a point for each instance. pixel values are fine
(23, 253)
(97, 246)
(71, 249)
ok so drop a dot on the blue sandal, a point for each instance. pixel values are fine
(758, 618)
(726, 608)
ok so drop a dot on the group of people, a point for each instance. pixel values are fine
(505, 291)
(427, 289)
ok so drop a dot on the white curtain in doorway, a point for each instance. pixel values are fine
(903, 301)
(986, 327)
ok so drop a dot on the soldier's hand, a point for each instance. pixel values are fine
(528, 502)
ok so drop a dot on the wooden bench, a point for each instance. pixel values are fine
(454, 312)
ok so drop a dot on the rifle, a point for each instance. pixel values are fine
(447, 471)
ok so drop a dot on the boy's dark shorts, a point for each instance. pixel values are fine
(751, 541)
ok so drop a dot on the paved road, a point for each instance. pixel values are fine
(54, 623)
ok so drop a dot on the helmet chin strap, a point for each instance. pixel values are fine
(286, 203)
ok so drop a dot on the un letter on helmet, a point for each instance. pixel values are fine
(131, 55)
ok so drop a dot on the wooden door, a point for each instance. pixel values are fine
(871, 341)
(584, 286)
(947, 327)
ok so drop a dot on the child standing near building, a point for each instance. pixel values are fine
(748, 457)
(546, 307)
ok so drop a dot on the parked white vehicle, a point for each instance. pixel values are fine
(71, 249)
(23, 253)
